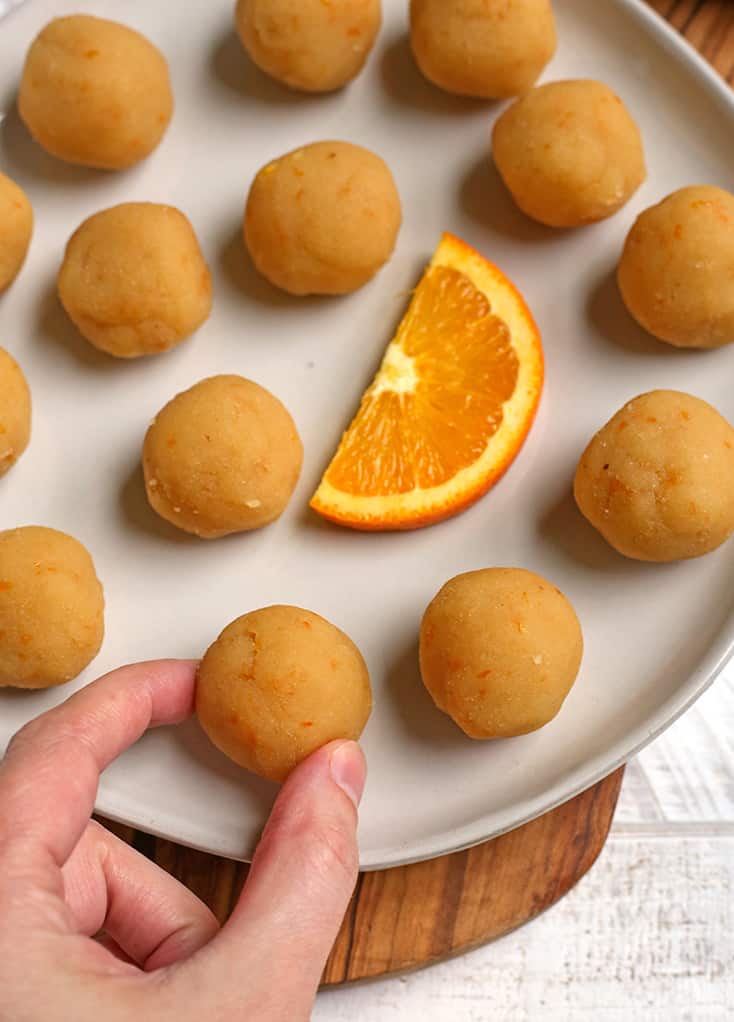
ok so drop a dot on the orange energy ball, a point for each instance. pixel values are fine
(16, 228)
(658, 480)
(134, 280)
(322, 219)
(488, 49)
(311, 45)
(222, 457)
(51, 608)
(569, 153)
(278, 684)
(500, 650)
(15, 411)
(676, 273)
(94, 92)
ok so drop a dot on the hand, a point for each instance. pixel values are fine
(164, 957)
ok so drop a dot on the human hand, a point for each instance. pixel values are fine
(64, 877)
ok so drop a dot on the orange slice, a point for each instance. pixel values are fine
(450, 406)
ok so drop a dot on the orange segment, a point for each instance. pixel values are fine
(449, 407)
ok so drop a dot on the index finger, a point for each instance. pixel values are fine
(49, 776)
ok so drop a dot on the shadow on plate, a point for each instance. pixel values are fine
(21, 695)
(563, 525)
(404, 82)
(610, 319)
(485, 199)
(55, 327)
(314, 523)
(24, 159)
(417, 711)
(190, 737)
(608, 315)
(137, 512)
(239, 269)
(231, 66)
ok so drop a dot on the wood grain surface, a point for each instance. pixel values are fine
(411, 916)
(708, 25)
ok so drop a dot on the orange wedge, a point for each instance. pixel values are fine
(450, 406)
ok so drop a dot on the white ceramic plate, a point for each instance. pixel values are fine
(655, 636)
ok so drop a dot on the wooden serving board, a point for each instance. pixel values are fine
(411, 916)
(708, 25)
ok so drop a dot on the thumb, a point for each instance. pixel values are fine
(298, 889)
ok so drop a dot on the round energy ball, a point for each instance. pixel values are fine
(134, 279)
(569, 153)
(51, 608)
(322, 219)
(278, 684)
(488, 49)
(676, 273)
(223, 456)
(658, 480)
(15, 411)
(309, 44)
(500, 649)
(16, 228)
(95, 93)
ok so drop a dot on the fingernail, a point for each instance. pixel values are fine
(348, 769)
